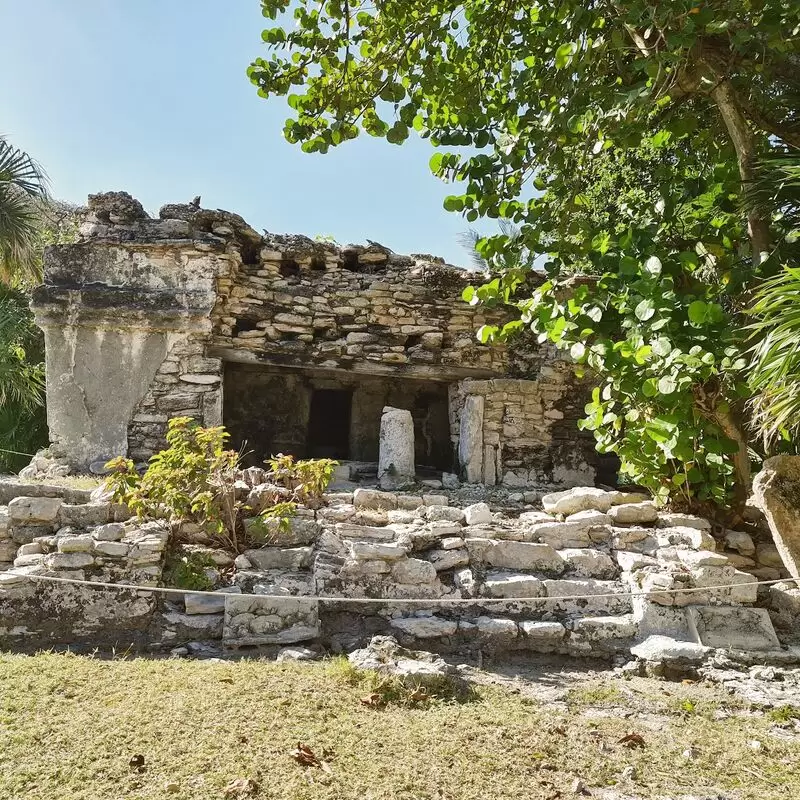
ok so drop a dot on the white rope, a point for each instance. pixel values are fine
(405, 601)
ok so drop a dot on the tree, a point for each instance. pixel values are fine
(23, 192)
(638, 125)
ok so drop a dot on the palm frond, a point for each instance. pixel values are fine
(23, 188)
(19, 170)
(776, 190)
(469, 241)
(774, 372)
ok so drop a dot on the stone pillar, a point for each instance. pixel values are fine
(776, 491)
(470, 440)
(396, 448)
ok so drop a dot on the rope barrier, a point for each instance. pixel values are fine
(455, 601)
(17, 453)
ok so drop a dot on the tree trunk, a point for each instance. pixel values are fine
(732, 428)
(735, 121)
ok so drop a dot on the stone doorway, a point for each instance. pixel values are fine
(325, 414)
(329, 424)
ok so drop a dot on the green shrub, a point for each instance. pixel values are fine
(195, 480)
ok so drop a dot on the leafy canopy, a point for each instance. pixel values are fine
(618, 138)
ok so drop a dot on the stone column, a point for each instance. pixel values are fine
(470, 440)
(396, 448)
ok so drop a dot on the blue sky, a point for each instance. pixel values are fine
(151, 96)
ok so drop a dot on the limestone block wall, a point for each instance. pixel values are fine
(565, 580)
(145, 319)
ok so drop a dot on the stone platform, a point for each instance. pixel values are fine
(564, 579)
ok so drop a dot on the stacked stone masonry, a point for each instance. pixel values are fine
(287, 340)
(560, 580)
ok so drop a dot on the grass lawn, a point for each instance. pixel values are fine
(70, 725)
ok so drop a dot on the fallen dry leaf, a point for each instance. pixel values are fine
(241, 787)
(305, 756)
(632, 740)
(372, 701)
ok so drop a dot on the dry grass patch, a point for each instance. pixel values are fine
(70, 726)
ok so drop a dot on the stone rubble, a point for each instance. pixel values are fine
(566, 585)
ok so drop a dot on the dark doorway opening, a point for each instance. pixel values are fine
(329, 423)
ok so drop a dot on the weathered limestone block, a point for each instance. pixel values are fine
(478, 514)
(543, 633)
(414, 571)
(666, 650)
(443, 560)
(633, 513)
(470, 442)
(630, 561)
(601, 629)
(776, 491)
(559, 534)
(75, 544)
(444, 513)
(374, 499)
(425, 627)
(208, 604)
(68, 560)
(346, 530)
(583, 498)
(112, 532)
(366, 551)
(618, 601)
(694, 538)
(666, 520)
(509, 584)
(280, 557)
(84, 515)
(741, 542)
(8, 550)
(732, 628)
(29, 560)
(299, 531)
(111, 549)
(34, 510)
(497, 629)
(589, 563)
(784, 601)
(269, 620)
(700, 558)
(396, 448)
(516, 555)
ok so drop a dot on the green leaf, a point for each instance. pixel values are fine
(697, 312)
(577, 351)
(564, 54)
(486, 333)
(645, 310)
(667, 385)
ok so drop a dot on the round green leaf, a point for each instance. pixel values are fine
(645, 310)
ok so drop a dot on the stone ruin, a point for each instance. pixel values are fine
(450, 453)
(565, 580)
(296, 346)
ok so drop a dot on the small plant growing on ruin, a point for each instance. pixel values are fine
(307, 480)
(196, 479)
(188, 571)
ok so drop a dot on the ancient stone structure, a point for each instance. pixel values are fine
(565, 580)
(295, 345)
